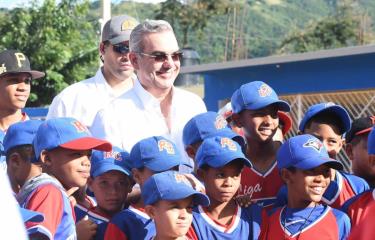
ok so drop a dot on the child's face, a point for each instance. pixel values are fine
(172, 218)
(222, 183)
(70, 167)
(110, 190)
(329, 135)
(259, 125)
(15, 90)
(360, 159)
(306, 186)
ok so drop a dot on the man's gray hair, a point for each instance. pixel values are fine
(144, 28)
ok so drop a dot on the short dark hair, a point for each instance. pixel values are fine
(25, 151)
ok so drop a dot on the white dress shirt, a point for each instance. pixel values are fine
(82, 100)
(137, 115)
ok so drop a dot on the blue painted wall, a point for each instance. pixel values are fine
(322, 75)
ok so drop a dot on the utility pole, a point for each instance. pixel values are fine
(106, 13)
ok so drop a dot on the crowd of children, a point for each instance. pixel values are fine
(248, 182)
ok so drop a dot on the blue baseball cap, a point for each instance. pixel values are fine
(21, 133)
(338, 110)
(219, 151)
(67, 133)
(171, 186)
(304, 152)
(371, 142)
(102, 162)
(156, 153)
(256, 95)
(205, 125)
(31, 216)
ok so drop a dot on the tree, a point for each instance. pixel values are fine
(340, 30)
(190, 15)
(57, 38)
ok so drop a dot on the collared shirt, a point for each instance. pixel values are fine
(83, 99)
(137, 115)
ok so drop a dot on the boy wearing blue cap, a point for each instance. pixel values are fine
(19, 153)
(169, 198)
(328, 122)
(147, 157)
(63, 147)
(110, 182)
(220, 163)
(255, 108)
(205, 125)
(305, 167)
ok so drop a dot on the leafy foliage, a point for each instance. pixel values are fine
(57, 38)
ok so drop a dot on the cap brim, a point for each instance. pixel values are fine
(343, 115)
(198, 197)
(87, 143)
(224, 160)
(281, 105)
(161, 165)
(34, 74)
(109, 167)
(367, 130)
(310, 163)
(122, 38)
(31, 216)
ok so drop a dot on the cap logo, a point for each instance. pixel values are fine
(220, 122)
(79, 126)
(264, 90)
(228, 143)
(3, 69)
(114, 155)
(167, 146)
(315, 144)
(128, 24)
(20, 57)
(180, 178)
(329, 104)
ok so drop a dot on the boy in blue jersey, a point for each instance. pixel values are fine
(110, 182)
(220, 163)
(147, 157)
(305, 167)
(169, 198)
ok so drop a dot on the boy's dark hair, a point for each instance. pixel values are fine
(327, 117)
(25, 151)
(357, 139)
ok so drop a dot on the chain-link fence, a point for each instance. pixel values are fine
(357, 103)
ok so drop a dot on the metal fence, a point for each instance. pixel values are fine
(357, 103)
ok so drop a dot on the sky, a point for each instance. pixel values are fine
(18, 3)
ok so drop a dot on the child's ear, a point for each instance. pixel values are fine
(236, 118)
(349, 150)
(201, 174)
(371, 161)
(190, 151)
(45, 158)
(90, 181)
(136, 175)
(150, 210)
(285, 175)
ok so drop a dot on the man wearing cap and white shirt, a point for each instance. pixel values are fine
(82, 100)
(15, 79)
(153, 106)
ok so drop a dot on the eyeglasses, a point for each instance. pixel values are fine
(121, 48)
(162, 57)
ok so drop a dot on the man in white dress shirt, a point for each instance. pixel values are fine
(82, 100)
(153, 106)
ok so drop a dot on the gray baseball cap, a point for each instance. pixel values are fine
(118, 29)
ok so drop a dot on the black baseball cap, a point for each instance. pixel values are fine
(118, 29)
(13, 61)
(360, 126)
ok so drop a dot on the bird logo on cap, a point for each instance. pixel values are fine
(313, 143)
(227, 142)
(167, 146)
(264, 90)
(220, 122)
